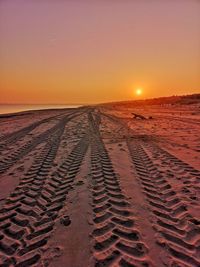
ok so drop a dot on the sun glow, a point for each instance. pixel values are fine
(138, 91)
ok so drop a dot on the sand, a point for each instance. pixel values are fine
(95, 187)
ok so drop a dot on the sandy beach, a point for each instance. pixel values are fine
(93, 186)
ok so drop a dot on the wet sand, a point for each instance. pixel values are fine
(92, 186)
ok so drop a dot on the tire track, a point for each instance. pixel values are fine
(177, 169)
(15, 136)
(179, 232)
(15, 208)
(165, 156)
(9, 160)
(117, 242)
(28, 218)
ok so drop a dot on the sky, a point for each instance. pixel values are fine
(91, 51)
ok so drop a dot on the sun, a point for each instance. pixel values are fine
(138, 91)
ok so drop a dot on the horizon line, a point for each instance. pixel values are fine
(101, 102)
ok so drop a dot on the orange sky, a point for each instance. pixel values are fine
(98, 51)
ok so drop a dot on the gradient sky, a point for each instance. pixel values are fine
(64, 51)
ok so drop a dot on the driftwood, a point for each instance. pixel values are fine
(141, 117)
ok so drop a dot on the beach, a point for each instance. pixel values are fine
(106, 185)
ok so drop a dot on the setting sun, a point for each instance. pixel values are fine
(138, 91)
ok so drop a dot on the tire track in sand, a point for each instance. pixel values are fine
(117, 242)
(13, 137)
(178, 171)
(9, 160)
(28, 218)
(178, 232)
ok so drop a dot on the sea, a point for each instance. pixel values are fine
(6, 109)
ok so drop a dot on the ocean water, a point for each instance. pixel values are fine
(6, 109)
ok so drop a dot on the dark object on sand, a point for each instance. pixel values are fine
(65, 220)
(141, 117)
(138, 116)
